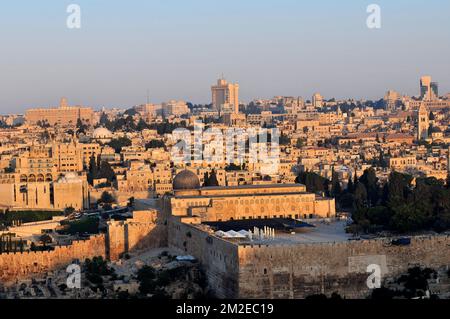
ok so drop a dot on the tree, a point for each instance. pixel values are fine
(448, 180)
(350, 185)
(118, 144)
(106, 171)
(93, 170)
(69, 211)
(142, 125)
(212, 180)
(398, 188)
(284, 139)
(155, 144)
(299, 143)
(45, 239)
(146, 277)
(370, 181)
(314, 183)
(360, 195)
(336, 189)
(106, 198)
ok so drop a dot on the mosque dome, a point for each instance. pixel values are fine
(102, 133)
(186, 180)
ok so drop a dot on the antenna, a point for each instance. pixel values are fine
(148, 96)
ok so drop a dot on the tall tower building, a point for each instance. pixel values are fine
(428, 90)
(317, 100)
(225, 97)
(391, 99)
(434, 89)
(423, 123)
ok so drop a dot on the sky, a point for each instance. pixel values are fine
(176, 49)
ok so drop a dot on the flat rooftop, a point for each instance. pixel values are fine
(280, 224)
(322, 232)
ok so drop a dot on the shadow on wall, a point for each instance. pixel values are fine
(145, 231)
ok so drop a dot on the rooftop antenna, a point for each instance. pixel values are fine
(148, 96)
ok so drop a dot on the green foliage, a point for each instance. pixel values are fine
(314, 183)
(106, 198)
(96, 269)
(105, 171)
(27, 216)
(284, 140)
(87, 225)
(300, 143)
(146, 276)
(155, 144)
(166, 127)
(120, 142)
(398, 206)
(414, 284)
(211, 180)
(233, 167)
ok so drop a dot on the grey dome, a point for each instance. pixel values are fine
(186, 180)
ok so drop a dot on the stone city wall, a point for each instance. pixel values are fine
(218, 257)
(141, 232)
(15, 266)
(302, 270)
(144, 231)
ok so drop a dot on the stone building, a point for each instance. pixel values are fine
(62, 115)
(246, 202)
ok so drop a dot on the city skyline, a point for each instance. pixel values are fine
(178, 51)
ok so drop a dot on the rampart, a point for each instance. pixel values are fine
(219, 258)
(15, 266)
(142, 232)
(298, 271)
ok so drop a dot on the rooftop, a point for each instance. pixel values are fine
(321, 232)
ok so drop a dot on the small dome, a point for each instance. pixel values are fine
(186, 180)
(102, 132)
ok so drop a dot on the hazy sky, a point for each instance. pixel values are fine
(178, 48)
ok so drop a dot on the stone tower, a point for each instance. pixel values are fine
(423, 123)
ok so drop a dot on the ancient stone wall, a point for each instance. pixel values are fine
(218, 257)
(302, 270)
(144, 231)
(30, 264)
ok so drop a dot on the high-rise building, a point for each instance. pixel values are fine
(428, 90)
(317, 101)
(391, 99)
(423, 123)
(225, 97)
(435, 89)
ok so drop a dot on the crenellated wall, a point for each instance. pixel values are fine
(29, 264)
(302, 270)
(144, 231)
(219, 258)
